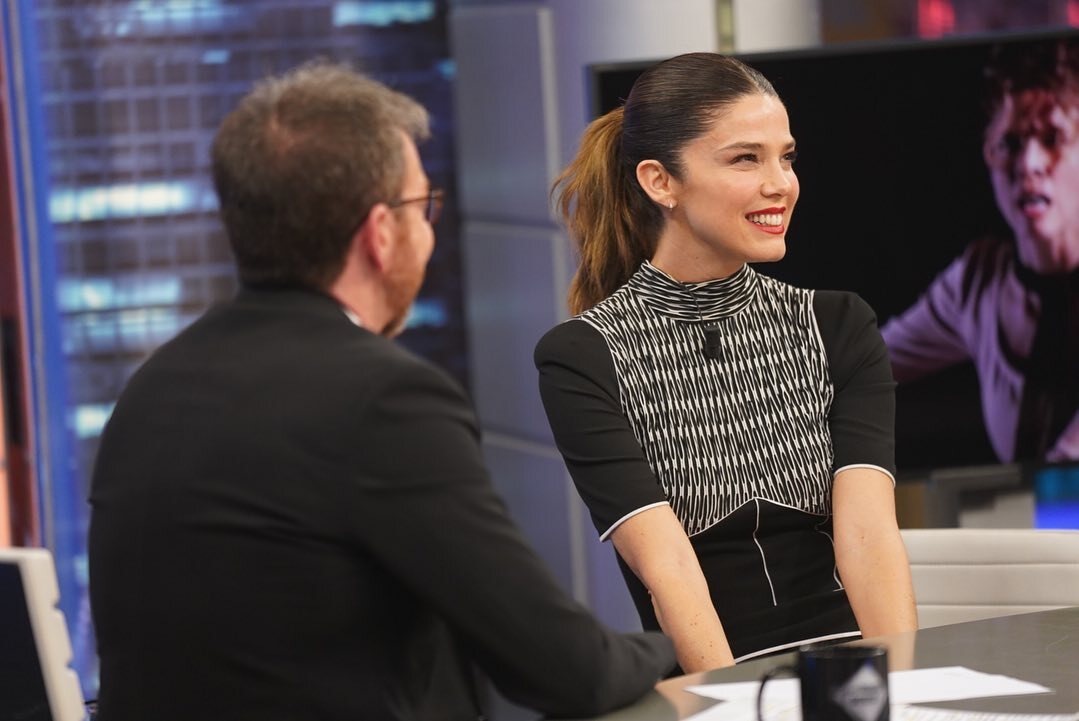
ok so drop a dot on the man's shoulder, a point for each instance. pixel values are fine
(301, 343)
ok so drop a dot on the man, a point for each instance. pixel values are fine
(291, 519)
(1012, 306)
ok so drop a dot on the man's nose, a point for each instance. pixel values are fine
(1032, 159)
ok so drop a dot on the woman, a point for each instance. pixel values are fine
(730, 434)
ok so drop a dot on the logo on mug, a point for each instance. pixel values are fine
(838, 683)
(863, 695)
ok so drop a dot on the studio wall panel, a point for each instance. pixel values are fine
(516, 279)
(505, 97)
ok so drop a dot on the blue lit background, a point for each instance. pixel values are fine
(124, 98)
(1056, 497)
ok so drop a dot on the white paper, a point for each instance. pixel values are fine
(925, 685)
(953, 683)
(780, 689)
(745, 710)
(921, 713)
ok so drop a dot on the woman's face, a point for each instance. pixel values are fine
(736, 194)
(1032, 151)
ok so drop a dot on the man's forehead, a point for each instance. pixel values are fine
(414, 172)
(1035, 111)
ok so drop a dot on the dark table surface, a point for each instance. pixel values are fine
(1039, 647)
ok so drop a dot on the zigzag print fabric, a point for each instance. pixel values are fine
(721, 431)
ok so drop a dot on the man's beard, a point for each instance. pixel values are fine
(400, 296)
(393, 328)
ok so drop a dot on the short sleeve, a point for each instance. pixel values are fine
(862, 416)
(579, 388)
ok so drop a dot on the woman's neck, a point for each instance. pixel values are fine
(693, 262)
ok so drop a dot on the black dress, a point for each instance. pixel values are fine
(742, 442)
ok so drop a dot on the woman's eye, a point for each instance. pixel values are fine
(791, 156)
(745, 158)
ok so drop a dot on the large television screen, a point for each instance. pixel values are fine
(963, 239)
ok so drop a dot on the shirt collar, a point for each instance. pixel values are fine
(706, 300)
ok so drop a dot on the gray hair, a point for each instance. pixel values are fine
(299, 164)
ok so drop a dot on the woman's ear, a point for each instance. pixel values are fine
(657, 182)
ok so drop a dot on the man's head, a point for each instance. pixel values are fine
(302, 161)
(1032, 151)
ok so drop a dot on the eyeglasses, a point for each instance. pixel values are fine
(433, 209)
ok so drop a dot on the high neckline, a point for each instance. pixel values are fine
(704, 301)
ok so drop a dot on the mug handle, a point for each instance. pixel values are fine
(771, 674)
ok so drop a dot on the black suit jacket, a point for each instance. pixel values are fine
(291, 520)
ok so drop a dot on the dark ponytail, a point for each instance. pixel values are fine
(606, 213)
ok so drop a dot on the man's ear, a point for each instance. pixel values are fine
(374, 238)
(657, 182)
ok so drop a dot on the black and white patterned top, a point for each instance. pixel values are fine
(742, 442)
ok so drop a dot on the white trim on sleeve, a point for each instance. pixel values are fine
(629, 515)
(885, 471)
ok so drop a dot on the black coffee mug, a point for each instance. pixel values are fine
(839, 683)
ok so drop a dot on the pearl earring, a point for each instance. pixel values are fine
(670, 205)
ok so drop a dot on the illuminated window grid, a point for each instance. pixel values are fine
(142, 110)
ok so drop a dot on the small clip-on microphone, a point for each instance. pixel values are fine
(711, 340)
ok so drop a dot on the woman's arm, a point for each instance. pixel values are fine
(654, 544)
(869, 552)
(579, 387)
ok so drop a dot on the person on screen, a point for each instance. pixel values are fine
(730, 434)
(1011, 305)
(291, 518)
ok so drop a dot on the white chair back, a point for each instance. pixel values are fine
(967, 574)
(34, 637)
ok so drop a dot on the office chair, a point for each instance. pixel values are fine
(36, 680)
(966, 574)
